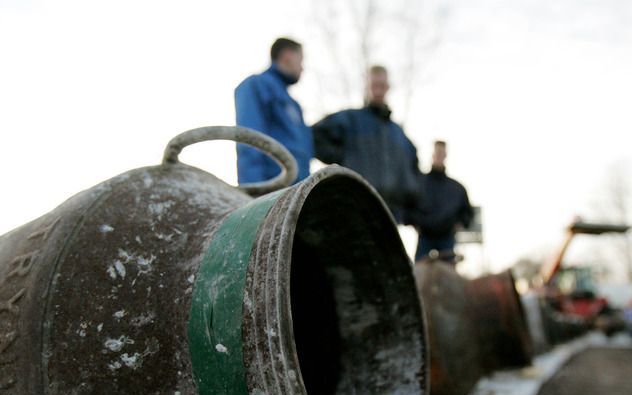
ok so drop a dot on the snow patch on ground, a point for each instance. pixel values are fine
(527, 381)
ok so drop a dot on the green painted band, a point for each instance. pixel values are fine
(215, 333)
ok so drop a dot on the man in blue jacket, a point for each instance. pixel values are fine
(263, 103)
(368, 141)
(446, 210)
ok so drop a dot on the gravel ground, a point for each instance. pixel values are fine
(593, 371)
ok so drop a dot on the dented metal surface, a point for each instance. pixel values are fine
(95, 296)
(474, 326)
(104, 301)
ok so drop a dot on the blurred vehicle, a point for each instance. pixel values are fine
(566, 302)
(572, 290)
(569, 300)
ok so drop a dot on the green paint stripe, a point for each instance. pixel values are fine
(215, 336)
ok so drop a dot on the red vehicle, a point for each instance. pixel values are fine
(572, 290)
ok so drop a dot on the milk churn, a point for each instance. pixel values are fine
(167, 280)
(474, 326)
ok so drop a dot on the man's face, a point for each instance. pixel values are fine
(291, 62)
(378, 87)
(438, 156)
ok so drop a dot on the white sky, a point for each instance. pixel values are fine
(533, 96)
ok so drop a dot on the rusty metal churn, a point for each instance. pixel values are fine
(474, 326)
(167, 280)
(500, 319)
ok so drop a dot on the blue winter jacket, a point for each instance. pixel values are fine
(445, 206)
(367, 141)
(263, 103)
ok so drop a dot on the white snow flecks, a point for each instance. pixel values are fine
(129, 359)
(160, 208)
(111, 272)
(105, 228)
(162, 236)
(116, 269)
(82, 329)
(191, 279)
(133, 361)
(148, 181)
(120, 268)
(116, 345)
(221, 348)
(126, 256)
(142, 319)
(99, 327)
(247, 300)
(119, 314)
(116, 365)
(143, 262)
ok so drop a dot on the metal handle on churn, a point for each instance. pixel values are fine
(269, 146)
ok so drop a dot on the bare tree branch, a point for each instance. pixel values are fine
(402, 34)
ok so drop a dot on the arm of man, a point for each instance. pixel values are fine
(250, 111)
(329, 141)
(414, 203)
(466, 213)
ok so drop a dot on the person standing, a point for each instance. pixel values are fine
(262, 103)
(368, 141)
(446, 210)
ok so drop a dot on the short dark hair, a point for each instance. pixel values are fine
(440, 143)
(281, 44)
(377, 69)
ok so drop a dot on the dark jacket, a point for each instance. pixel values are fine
(263, 103)
(367, 141)
(445, 206)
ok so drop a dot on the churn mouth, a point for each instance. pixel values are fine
(355, 313)
(330, 303)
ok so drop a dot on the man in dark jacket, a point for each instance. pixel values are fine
(368, 141)
(446, 208)
(263, 103)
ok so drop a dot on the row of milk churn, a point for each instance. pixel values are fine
(166, 280)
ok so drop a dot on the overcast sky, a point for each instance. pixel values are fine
(533, 96)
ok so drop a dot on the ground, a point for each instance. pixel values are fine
(593, 371)
(591, 364)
